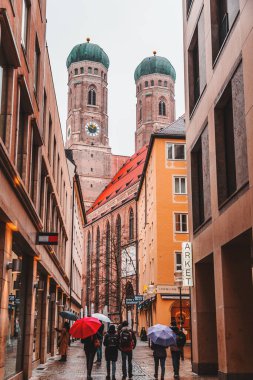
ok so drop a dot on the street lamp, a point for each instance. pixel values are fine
(178, 280)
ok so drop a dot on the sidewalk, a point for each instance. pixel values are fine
(143, 368)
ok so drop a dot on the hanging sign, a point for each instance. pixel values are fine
(187, 272)
(47, 238)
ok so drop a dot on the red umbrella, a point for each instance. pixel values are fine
(85, 327)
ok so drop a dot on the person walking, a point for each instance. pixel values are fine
(100, 335)
(127, 343)
(176, 350)
(160, 355)
(63, 341)
(111, 343)
(91, 345)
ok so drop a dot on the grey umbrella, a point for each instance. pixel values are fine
(68, 315)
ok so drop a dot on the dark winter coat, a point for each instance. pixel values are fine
(159, 351)
(111, 353)
(88, 343)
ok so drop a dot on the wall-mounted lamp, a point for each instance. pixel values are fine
(15, 266)
(39, 286)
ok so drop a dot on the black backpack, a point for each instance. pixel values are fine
(126, 340)
(181, 339)
(112, 341)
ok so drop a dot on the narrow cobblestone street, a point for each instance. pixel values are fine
(75, 368)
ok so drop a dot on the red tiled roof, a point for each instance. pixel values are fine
(129, 174)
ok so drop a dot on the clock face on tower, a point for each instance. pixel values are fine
(92, 128)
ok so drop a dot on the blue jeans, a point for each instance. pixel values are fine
(162, 363)
(99, 353)
(125, 356)
(108, 363)
(176, 361)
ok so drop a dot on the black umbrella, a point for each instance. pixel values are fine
(68, 315)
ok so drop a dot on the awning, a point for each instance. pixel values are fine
(146, 304)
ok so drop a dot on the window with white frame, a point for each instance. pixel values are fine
(175, 151)
(178, 261)
(181, 223)
(180, 185)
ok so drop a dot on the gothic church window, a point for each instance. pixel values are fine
(107, 263)
(92, 97)
(140, 115)
(162, 108)
(131, 224)
(97, 270)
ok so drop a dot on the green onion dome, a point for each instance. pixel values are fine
(155, 65)
(88, 52)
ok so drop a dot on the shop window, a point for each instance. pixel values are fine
(197, 63)
(16, 315)
(223, 15)
(200, 178)
(231, 139)
(178, 261)
(180, 186)
(40, 283)
(181, 223)
(24, 23)
(175, 151)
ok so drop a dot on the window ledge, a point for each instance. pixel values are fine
(181, 232)
(90, 105)
(225, 41)
(202, 226)
(233, 197)
(197, 102)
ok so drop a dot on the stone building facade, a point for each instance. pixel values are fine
(35, 194)
(218, 40)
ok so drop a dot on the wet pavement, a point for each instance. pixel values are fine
(143, 367)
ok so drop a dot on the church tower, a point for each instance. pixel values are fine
(87, 119)
(155, 91)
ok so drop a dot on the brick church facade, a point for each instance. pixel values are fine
(110, 182)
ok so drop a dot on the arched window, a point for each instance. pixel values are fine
(76, 71)
(97, 270)
(89, 70)
(140, 86)
(159, 83)
(118, 263)
(92, 97)
(131, 224)
(152, 83)
(140, 115)
(165, 83)
(88, 282)
(96, 71)
(146, 83)
(104, 76)
(107, 263)
(162, 108)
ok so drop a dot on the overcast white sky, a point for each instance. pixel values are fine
(128, 31)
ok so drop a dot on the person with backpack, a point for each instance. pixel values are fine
(160, 355)
(176, 350)
(91, 344)
(127, 343)
(111, 343)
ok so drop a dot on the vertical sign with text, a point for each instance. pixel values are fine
(187, 264)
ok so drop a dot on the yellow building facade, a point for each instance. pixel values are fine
(162, 203)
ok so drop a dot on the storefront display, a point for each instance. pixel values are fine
(16, 302)
(38, 316)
